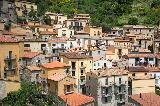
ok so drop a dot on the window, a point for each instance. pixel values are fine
(94, 64)
(53, 51)
(26, 45)
(105, 65)
(59, 17)
(67, 71)
(120, 89)
(114, 32)
(133, 74)
(82, 72)
(99, 52)
(53, 44)
(90, 61)
(68, 88)
(62, 45)
(106, 81)
(73, 73)
(106, 99)
(89, 78)
(81, 63)
(145, 73)
(98, 64)
(120, 80)
(150, 59)
(106, 91)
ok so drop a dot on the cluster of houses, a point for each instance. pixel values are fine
(78, 62)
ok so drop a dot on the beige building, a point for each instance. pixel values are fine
(61, 84)
(11, 51)
(80, 65)
(109, 87)
(93, 30)
(140, 81)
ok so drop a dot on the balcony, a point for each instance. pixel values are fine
(13, 68)
(121, 101)
(107, 85)
(82, 82)
(10, 58)
(82, 67)
(124, 83)
(106, 95)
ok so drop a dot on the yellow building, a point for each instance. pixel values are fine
(80, 65)
(11, 51)
(93, 30)
(61, 84)
(140, 81)
(23, 6)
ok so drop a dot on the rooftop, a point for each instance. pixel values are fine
(57, 76)
(58, 40)
(146, 99)
(73, 55)
(48, 33)
(55, 64)
(138, 69)
(4, 39)
(76, 99)
(30, 55)
(34, 68)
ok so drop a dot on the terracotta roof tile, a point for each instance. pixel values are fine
(147, 99)
(73, 55)
(6, 39)
(48, 33)
(138, 69)
(141, 55)
(76, 99)
(55, 64)
(58, 40)
(57, 76)
(30, 54)
(34, 68)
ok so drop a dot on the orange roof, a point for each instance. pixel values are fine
(57, 76)
(48, 33)
(76, 99)
(147, 99)
(6, 39)
(30, 54)
(55, 64)
(141, 55)
(33, 68)
(57, 40)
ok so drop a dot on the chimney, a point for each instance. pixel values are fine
(140, 95)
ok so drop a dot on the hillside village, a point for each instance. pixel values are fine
(79, 63)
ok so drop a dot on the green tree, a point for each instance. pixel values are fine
(47, 20)
(30, 95)
(7, 25)
(133, 21)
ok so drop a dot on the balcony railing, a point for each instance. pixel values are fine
(106, 95)
(10, 58)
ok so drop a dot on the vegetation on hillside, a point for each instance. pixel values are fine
(106, 12)
(31, 95)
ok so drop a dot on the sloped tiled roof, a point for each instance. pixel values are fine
(55, 64)
(48, 33)
(58, 40)
(141, 55)
(57, 76)
(147, 99)
(73, 55)
(30, 54)
(34, 68)
(138, 69)
(6, 39)
(76, 99)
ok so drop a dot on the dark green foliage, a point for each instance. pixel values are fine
(7, 25)
(21, 20)
(133, 21)
(29, 95)
(47, 20)
(106, 12)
